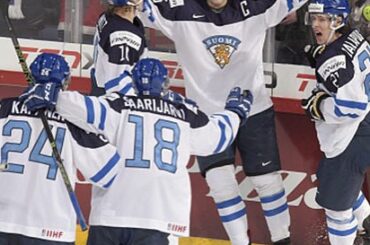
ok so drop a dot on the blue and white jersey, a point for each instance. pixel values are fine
(33, 200)
(219, 51)
(157, 138)
(118, 45)
(343, 70)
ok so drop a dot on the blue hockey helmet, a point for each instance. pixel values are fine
(50, 68)
(333, 8)
(150, 77)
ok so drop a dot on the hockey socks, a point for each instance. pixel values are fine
(225, 191)
(274, 204)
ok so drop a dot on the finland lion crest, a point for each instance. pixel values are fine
(221, 48)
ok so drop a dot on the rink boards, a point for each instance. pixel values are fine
(298, 146)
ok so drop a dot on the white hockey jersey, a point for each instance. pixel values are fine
(118, 45)
(343, 70)
(33, 199)
(219, 51)
(157, 138)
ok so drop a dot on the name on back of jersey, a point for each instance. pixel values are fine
(21, 110)
(125, 37)
(353, 43)
(154, 105)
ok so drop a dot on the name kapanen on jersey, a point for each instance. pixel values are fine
(154, 105)
(20, 109)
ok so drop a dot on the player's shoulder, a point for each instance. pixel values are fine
(86, 139)
(348, 44)
(6, 106)
(111, 22)
(341, 53)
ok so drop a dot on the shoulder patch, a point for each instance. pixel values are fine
(332, 65)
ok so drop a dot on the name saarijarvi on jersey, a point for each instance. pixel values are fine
(154, 105)
(20, 109)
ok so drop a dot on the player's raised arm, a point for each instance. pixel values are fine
(211, 135)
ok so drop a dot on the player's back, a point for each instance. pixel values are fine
(155, 139)
(34, 201)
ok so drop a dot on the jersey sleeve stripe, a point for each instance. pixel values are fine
(125, 89)
(223, 137)
(107, 185)
(105, 170)
(227, 119)
(115, 84)
(339, 113)
(290, 4)
(103, 116)
(90, 110)
(351, 104)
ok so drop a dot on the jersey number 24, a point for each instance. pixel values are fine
(23, 128)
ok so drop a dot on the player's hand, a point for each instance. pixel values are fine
(178, 98)
(311, 105)
(312, 52)
(240, 103)
(41, 96)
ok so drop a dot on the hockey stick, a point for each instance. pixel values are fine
(30, 80)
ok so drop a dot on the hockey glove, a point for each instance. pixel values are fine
(311, 105)
(312, 52)
(41, 96)
(240, 103)
(178, 98)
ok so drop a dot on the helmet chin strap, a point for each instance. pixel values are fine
(333, 29)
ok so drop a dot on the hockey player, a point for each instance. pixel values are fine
(219, 44)
(35, 206)
(119, 43)
(339, 106)
(151, 198)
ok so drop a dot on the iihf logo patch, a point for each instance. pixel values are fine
(222, 47)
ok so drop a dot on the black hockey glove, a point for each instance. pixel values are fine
(312, 52)
(311, 105)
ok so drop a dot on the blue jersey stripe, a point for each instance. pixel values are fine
(276, 211)
(105, 170)
(103, 117)
(227, 119)
(229, 203)
(273, 197)
(351, 104)
(290, 4)
(339, 113)
(223, 137)
(125, 89)
(107, 185)
(115, 81)
(90, 110)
